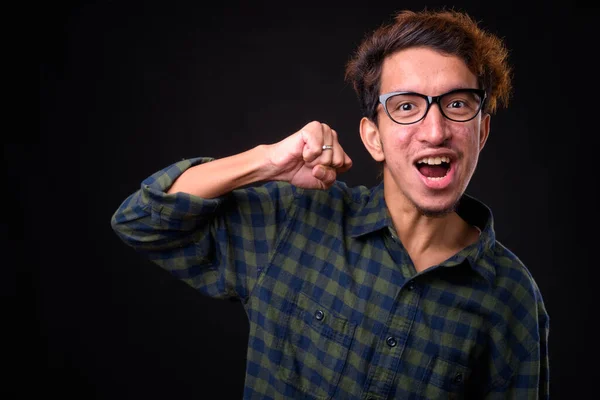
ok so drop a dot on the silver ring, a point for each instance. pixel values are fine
(327, 147)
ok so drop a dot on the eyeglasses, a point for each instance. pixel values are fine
(458, 105)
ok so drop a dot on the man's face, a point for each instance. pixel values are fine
(433, 189)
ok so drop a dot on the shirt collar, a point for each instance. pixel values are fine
(372, 215)
(476, 213)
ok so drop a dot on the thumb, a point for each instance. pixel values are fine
(325, 174)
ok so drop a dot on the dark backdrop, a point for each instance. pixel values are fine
(127, 88)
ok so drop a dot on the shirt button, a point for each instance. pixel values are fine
(319, 315)
(391, 341)
(458, 378)
(411, 285)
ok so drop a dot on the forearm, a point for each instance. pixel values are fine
(218, 177)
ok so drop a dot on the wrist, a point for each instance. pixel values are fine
(257, 165)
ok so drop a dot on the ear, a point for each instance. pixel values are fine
(369, 133)
(484, 130)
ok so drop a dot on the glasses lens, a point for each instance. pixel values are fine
(406, 108)
(460, 105)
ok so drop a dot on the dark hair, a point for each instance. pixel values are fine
(447, 31)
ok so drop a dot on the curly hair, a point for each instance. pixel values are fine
(447, 31)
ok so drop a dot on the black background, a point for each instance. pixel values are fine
(127, 88)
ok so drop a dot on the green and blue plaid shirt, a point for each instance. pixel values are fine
(336, 309)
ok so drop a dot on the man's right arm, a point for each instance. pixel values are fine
(189, 216)
(205, 242)
(174, 201)
(298, 159)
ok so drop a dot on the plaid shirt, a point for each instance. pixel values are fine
(335, 306)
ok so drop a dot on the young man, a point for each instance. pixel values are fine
(396, 291)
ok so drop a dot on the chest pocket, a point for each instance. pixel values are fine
(314, 348)
(443, 380)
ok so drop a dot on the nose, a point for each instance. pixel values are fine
(433, 129)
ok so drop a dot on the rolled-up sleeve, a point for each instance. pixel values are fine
(218, 246)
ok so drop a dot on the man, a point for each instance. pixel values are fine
(396, 291)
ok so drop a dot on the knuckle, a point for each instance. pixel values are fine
(312, 126)
(337, 162)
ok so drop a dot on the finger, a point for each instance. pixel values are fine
(326, 157)
(312, 134)
(346, 165)
(338, 155)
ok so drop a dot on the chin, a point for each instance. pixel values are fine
(436, 209)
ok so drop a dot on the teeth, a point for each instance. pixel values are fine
(434, 160)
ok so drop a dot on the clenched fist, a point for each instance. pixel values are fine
(310, 158)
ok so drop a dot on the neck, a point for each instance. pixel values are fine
(428, 240)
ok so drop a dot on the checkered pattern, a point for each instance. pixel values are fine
(336, 308)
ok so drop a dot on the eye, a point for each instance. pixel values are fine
(404, 106)
(456, 104)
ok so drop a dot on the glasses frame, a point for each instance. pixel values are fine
(433, 99)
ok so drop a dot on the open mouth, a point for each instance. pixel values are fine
(434, 168)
